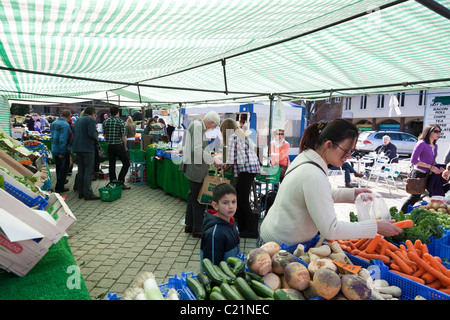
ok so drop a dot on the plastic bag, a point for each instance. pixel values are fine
(371, 206)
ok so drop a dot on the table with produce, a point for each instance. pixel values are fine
(413, 265)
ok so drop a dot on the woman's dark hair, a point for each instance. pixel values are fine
(425, 135)
(149, 123)
(320, 132)
(222, 189)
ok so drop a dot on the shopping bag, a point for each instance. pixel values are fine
(101, 153)
(205, 195)
(416, 185)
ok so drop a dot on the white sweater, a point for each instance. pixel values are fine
(304, 206)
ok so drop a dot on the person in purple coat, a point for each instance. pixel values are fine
(424, 160)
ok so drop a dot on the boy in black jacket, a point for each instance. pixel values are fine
(220, 238)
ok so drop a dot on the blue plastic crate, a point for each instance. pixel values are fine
(441, 248)
(38, 201)
(138, 173)
(179, 283)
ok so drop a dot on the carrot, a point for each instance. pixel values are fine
(384, 246)
(437, 273)
(409, 276)
(404, 223)
(419, 272)
(410, 246)
(360, 242)
(373, 256)
(373, 244)
(424, 248)
(428, 277)
(355, 252)
(403, 248)
(436, 284)
(404, 257)
(445, 290)
(390, 245)
(401, 263)
(365, 244)
(436, 263)
(394, 266)
(351, 245)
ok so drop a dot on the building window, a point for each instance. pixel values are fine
(401, 99)
(337, 99)
(363, 104)
(422, 96)
(380, 101)
(328, 101)
(348, 103)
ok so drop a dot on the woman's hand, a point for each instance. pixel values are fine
(436, 170)
(446, 174)
(358, 191)
(387, 228)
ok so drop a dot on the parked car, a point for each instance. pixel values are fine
(368, 141)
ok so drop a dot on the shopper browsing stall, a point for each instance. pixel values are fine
(61, 138)
(220, 238)
(130, 129)
(279, 152)
(305, 201)
(195, 166)
(84, 145)
(423, 158)
(240, 155)
(115, 137)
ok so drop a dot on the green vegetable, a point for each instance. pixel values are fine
(245, 289)
(222, 274)
(237, 264)
(227, 270)
(216, 296)
(208, 268)
(280, 294)
(229, 292)
(205, 281)
(353, 217)
(196, 287)
(261, 289)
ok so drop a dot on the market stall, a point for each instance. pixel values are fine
(35, 257)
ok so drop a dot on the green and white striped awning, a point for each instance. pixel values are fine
(188, 51)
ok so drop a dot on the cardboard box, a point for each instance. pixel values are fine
(60, 211)
(17, 169)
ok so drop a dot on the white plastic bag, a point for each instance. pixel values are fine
(371, 206)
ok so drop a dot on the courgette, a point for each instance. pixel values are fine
(196, 287)
(216, 289)
(254, 276)
(205, 281)
(238, 266)
(280, 294)
(261, 289)
(227, 270)
(222, 274)
(245, 289)
(210, 271)
(229, 292)
(216, 296)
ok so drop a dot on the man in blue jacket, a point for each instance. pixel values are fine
(84, 144)
(61, 138)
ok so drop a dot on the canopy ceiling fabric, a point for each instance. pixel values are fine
(174, 49)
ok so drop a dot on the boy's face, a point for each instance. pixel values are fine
(226, 207)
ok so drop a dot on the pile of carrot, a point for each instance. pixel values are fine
(411, 260)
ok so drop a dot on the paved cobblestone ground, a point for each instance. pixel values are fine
(143, 231)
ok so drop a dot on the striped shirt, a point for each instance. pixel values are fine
(242, 156)
(114, 130)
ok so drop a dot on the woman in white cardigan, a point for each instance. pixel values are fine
(305, 201)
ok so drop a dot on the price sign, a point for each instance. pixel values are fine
(348, 267)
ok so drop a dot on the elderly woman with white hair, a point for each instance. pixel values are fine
(279, 151)
(195, 166)
(389, 149)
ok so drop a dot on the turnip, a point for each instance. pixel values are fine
(320, 264)
(355, 288)
(297, 275)
(259, 261)
(272, 280)
(280, 260)
(326, 283)
(271, 248)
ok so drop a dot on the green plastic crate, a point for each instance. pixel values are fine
(112, 191)
(269, 174)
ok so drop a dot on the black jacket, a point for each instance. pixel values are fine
(390, 151)
(220, 239)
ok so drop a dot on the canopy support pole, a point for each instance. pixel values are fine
(436, 7)
(225, 75)
(271, 96)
